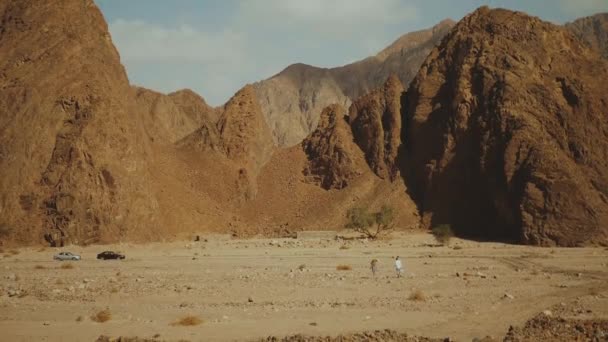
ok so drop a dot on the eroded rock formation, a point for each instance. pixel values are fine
(293, 99)
(375, 119)
(506, 132)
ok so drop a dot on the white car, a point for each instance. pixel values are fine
(66, 256)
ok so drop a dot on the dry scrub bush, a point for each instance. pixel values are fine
(372, 225)
(79, 319)
(67, 266)
(344, 247)
(302, 267)
(418, 296)
(39, 267)
(443, 233)
(344, 268)
(102, 316)
(188, 321)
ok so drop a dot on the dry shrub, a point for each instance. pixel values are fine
(443, 233)
(594, 291)
(79, 319)
(59, 281)
(188, 321)
(302, 267)
(13, 252)
(344, 247)
(344, 268)
(39, 267)
(114, 290)
(457, 247)
(417, 295)
(22, 294)
(102, 316)
(67, 266)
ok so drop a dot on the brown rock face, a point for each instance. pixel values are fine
(506, 132)
(72, 154)
(243, 132)
(194, 106)
(292, 100)
(375, 119)
(164, 122)
(593, 30)
(334, 159)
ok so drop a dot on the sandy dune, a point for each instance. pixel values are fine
(250, 289)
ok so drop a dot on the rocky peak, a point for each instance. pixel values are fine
(194, 106)
(506, 133)
(593, 30)
(73, 164)
(244, 134)
(375, 119)
(334, 159)
(293, 99)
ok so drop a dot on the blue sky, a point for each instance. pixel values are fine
(216, 46)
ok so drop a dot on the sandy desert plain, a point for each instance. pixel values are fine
(250, 289)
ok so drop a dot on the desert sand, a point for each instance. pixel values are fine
(255, 288)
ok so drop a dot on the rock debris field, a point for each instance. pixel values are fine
(222, 289)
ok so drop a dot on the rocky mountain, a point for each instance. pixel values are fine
(375, 119)
(293, 99)
(334, 158)
(593, 30)
(164, 122)
(502, 133)
(73, 158)
(506, 132)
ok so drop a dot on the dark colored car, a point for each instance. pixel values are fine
(110, 255)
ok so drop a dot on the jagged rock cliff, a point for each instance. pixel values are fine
(72, 155)
(334, 158)
(293, 99)
(375, 119)
(506, 132)
(593, 30)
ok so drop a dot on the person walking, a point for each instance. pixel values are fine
(398, 267)
(374, 267)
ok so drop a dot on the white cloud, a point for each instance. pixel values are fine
(259, 39)
(139, 41)
(329, 17)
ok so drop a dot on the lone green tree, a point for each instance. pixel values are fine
(372, 225)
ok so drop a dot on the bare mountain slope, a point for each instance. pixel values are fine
(593, 30)
(73, 161)
(293, 99)
(506, 132)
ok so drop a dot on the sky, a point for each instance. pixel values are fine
(215, 47)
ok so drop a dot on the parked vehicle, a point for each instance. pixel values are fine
(66, 256)
(110, 255)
